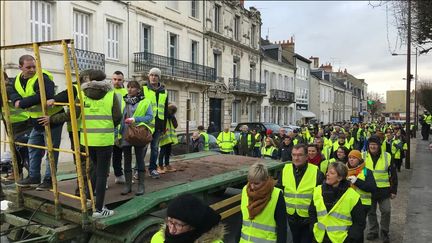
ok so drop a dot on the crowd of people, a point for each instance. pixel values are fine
(335, 176)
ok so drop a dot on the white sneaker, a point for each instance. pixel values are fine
(105, 212)
(120, 179)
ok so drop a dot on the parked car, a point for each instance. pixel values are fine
(290, 128)
(261, 127)
(181, 147)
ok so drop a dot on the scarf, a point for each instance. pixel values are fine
(315, 160)
(357, 170)
(133, 100)
(258, 199)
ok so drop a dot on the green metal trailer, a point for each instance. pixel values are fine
(136, 218)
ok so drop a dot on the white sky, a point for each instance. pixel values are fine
(349, 34)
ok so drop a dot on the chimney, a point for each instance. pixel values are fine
(242, 2)
(345, 71)
(328, 68)
(288, 50)
(315, 61)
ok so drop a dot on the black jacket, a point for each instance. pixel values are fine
(331, 196)
(285, 152)
(280, 217)
(383, 193)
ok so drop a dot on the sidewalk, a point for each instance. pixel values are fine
(419, 210)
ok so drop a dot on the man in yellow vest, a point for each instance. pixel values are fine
(299, 179)
(117, 81)
(384, 171)
(226, 141)
(257, 146)
(246, 142)
(20, 128)
(26, 95)
(426, 122)
(158, 95)
(204, 136)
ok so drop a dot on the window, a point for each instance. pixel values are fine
(195, 8)
(253, 41)
(81, 22)
(266, 114)
(113, 40)
(41, 21)
(236, 68)
(217, 18)
(252, 73)
(252, 111)
(194, 52)
(280, 82)
(236, 109)
(172, 45)
(194, 105)
(145, 38)
(173, 4)
(217, 64)
(237, 27)
(172, 96)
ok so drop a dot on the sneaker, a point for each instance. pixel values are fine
(120, 179)
(372, 236)
(46, 185)
(29, 181)
(105, 212)
(154, 174)
(161, 170)
(169, 168)
(135, 176)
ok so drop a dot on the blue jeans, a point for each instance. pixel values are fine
(37, 137)
(154, 147)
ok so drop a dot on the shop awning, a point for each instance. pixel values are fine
(306, 114)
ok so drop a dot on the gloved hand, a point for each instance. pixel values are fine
(352, 178)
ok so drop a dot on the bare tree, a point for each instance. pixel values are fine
(375, 104)
(424, 92)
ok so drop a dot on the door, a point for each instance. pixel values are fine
(216, 112)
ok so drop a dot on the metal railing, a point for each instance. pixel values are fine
(281, 95)
(88, 59)
(236, 84)
(144, 61)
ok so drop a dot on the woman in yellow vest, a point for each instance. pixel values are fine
(341, 154)
(336, 212)
(189, 220)
(269, 150)
(138, 111)
(262, 207)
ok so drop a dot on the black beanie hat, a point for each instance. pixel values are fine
(194, 212)
(374, 139)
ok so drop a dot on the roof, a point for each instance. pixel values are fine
(304, 59)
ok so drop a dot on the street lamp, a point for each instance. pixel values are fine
(415, 87)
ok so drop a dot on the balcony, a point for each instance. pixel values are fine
(88, 60)
(144, 61)
(246, 86)
(277, 95)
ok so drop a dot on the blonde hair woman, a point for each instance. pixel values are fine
(262, 206)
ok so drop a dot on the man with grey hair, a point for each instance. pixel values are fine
(246, 142)
(158, 95)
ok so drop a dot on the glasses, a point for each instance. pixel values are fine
(172, 224)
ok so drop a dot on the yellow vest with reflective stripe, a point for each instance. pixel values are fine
(396, 152)
(297, 200)
(226, 141)
(16, 114)
(257, 140)
(337, 221)
(170, 136)
(36, 110)
(380, 172)
(267, 152)
(159, 237)
(364, 196)
(206, 140)
(157, 106)
(99, 122)
(263, 227)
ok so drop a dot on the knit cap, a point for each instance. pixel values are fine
(356, 154)
(155, 71)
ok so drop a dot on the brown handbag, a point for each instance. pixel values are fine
(137, 135)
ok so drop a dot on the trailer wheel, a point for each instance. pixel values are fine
(146, 235)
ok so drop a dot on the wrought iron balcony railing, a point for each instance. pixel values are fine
(236, 84)
(281, 95)
(88, 60)
(144, 61)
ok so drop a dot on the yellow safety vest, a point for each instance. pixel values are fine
(268, 152)
(159, 237)
(170, 136)
(325, 163)
(121, 91)
(395, 151)
(351, 143)
(336, 145)
(206, 140)
(297, 200)
(326, 151)
(263, 227)
(16, 114)
(366, 197)
(158, 106)
(249, 139)
(359, 131)
(36, 110)
(226, 141)
(99, 122)
(380, 172)
(428, 119)
(337, 221)
(257, 140)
